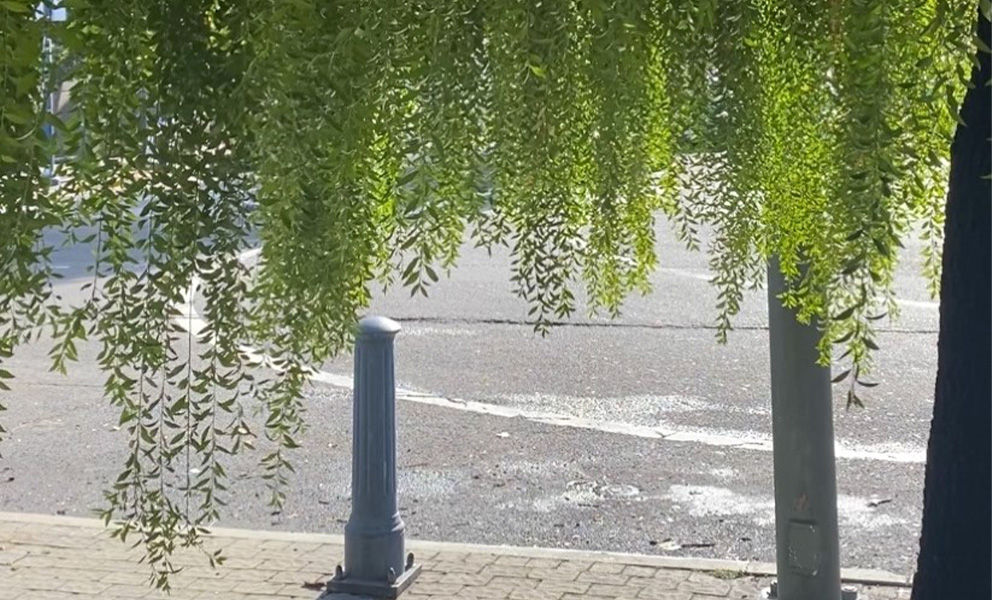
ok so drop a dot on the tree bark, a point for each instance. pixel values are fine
(955, 558)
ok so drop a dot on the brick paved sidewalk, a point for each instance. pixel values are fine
(43, 557)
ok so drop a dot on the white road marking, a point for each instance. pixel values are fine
(918, 304)
(188, 317)
(702, 275)
(691, 274)
(713, 501)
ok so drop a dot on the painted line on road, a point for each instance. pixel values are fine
(189, 318)
(740, 440)
(706, 276)
(918, 304)
(687, 273)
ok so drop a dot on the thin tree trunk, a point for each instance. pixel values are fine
(955, 560)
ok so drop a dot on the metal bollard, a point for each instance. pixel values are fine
(806, 534)
(374, 561)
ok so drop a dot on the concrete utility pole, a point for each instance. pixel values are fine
(806, 536)
(374, 561)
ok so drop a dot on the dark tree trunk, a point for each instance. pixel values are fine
(955, 559)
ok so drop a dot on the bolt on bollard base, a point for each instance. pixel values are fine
(389, 588)
(374, 561)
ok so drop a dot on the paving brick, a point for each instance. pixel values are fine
(49, 595)
(428, 576)
(259, 588)
(35, 579)
(126, 591)
(643, 582)
(457, 567)
(520, 594)
(272, 564)
(604, 590)
(203, 573)
(307, 547)
(234, 562)
(324, 566)
(8, 527)
(564, 587)
(461, 557)
(121, 578)
(249, 574)
(607, 578)
(240, 550)
(9, 557)
(473, 579)
(274, 545)
(84, 588)
(744, 588)
(480, 558)
(659, 594)
(671, 578)
(222, 596)
(52, 540)
(295, 591)
(514, 583)
(299, 577)
(543, 563)
(81, 563)
(80, 575)
(639, 571)
(211, 585)
(448, 589)
(485, 593)
(503, 570)
(511, 561)
(177, 594)
(557, 574)
(612, 568)
(698, 583)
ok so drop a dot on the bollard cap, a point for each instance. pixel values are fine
(377, 327)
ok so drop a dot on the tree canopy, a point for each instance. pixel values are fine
(375, 136)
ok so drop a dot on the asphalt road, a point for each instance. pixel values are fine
(572, 464)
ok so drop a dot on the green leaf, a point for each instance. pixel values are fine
(841, 377)
(881, 247)
(845, 338)
(846, 314)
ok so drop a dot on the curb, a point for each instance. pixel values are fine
(744, 568)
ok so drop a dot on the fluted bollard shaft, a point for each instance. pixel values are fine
(374, 560)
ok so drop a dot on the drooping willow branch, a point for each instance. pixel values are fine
(376, 135)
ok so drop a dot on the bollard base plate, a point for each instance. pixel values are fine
(846, 593)
(369, 588)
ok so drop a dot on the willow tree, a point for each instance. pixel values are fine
(376, 135)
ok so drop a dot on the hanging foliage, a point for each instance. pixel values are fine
(376, 135)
